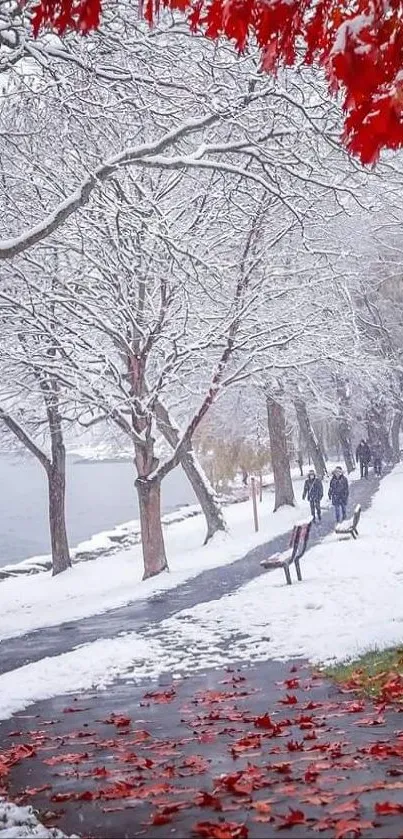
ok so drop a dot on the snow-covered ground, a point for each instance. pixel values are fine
(351, 599)
(28, 603)
(21, 823)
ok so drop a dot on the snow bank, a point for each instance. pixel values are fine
(21, 822)
(28, 603)
(351, 599)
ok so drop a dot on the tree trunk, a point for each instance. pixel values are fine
(377, 429)
(396, 423)
(283, 489)
(57, 518)
(149, 496)
(308, 435)
(201, 486)
(345, 443)
(343, 424)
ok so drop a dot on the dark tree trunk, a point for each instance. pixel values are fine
(57, 517)
(201, 487)
(204, 494)
(345, 443)
(396, 423)
(283, 489)
(149, 496)
(377, 429)
(309, 437)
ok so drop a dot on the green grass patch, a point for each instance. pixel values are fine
(371, 673)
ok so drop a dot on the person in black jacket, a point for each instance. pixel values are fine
(338, 493)
(363, 455)
(313, 491)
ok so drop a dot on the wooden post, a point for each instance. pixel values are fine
(260, 488)
(253, 490)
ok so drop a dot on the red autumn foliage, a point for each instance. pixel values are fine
(359, 45)
(351, 829)
(292, 818)
(222, 830)
(383, 808)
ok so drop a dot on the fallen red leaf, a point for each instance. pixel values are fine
(118, 720)
(290, 699)
(205, 799)
(246, 744)
(292, 818)
(222, 830)
(67, 758)
(384, 808)
(160, 697)
(347, 807)
(351, 828)
(36, 790)
(160, 819)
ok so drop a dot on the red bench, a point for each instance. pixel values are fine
(293, 554)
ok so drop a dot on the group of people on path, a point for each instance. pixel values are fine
(338, 494)
(338, 487)
(364, 455)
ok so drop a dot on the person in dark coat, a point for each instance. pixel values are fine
(313, 491)
(363, 455)
(338, 493)
(377, 459)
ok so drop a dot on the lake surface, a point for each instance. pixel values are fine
(100, 495)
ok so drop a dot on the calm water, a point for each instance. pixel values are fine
(99, 496)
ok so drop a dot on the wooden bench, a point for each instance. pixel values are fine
(349, 527)
(296, 550)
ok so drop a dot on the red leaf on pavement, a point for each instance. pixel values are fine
(291, 684)
(67, 758)
(117, 719)
(294, 817)
(139, 763)
(355, 707)
(63, 796)
(371, 721)
(160, 819)
(290, 699)
(263, 722)
(281, 768)
(246, 744)
(347, 807)
(205, 799)
(36, 790)
(159, 697)
(139, 736)
(221, 830)
(311, 705)
(295, 746)
(321, 799)
(385, 808)
(351, 828)
(263, 807)
(194, 764)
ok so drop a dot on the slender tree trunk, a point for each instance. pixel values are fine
(283, 488)
(344, 433)
(149, 496)
(57, 517)
(201, 486)
(395, 431)
(343, 424)
(309, 436)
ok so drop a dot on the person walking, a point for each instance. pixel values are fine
(313, 492)
(363, 455)
(338, 494)
(377, 459)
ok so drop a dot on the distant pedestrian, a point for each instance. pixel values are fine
(363, 455)
(377, 459)
(338, 493)
(313, 491)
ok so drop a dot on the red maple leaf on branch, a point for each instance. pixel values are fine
(358, 44)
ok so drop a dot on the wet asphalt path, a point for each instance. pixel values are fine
(210, 585)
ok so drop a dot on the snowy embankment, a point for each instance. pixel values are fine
(21, 823)
(90, 588)
(351, 599)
